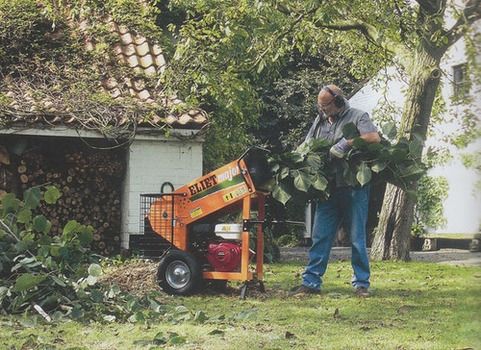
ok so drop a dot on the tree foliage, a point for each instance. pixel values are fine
(255, 67)
(429, 212)
(58, 276)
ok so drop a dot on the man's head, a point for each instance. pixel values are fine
(330, 100)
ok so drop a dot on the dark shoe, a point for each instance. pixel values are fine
(303, 290)
(362, 292)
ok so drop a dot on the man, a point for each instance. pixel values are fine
(345, 202)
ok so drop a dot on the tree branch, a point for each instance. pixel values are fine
(360, 27)
(367, 30)
(429, 6)
(471, 13)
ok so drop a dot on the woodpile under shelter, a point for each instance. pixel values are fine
(101, 154)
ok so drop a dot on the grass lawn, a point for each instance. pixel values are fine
(413, 306)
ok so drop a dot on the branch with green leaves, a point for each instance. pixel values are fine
(310, 172)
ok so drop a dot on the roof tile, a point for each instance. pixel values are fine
(126, 38)
(129, 50)
(146, 61)
(133, 61)
(136, 52)
(150, 71)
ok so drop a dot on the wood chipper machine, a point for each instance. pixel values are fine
(198, 246)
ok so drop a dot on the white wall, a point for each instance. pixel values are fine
(150, 163)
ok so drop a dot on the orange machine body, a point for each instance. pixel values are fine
(229, 188)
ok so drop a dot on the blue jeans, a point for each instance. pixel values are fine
(345, 203)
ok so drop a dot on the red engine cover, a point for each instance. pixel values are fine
(224, 256)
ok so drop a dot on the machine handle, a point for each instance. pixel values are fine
(167, 184)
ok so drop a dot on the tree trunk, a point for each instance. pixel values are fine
(393, 232)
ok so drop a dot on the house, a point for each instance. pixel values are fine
(461, 92)
(102, 154)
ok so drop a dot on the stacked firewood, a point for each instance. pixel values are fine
(90, 183)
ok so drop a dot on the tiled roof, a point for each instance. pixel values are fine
(132, 50)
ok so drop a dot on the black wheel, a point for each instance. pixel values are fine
(179, 273)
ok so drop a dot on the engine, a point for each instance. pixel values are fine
(218, 246)
(224, 256)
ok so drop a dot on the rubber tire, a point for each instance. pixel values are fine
(195, 281)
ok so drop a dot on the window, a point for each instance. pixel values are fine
(460, 82)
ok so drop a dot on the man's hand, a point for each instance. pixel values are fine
(341, 148)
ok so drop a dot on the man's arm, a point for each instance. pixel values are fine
(370, 137)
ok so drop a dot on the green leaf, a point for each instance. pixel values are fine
(398, 155)
(51, 195)
(389, 130)
(27, 281)
(77, 312)
(246, 314)
(10, 203)
(297, 158)
(280, 195)
(24, 215)
(318, 145)
(363, 174)
(314, 161)
(177, 340)
(375, 147)
(159, 339)
(41, 224)
(359, 143)
(416, 146)
(32, 197)
(200, 317)
(55, 251)
(58, 281)
(91, 280)
(413, 171)
(71, 226)
(378, 166)
(284, 173)
(302, 181)
(349, 131)
(320, 183)
(95, 270)
(275, 167)
(181, 309)
(85, 236)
